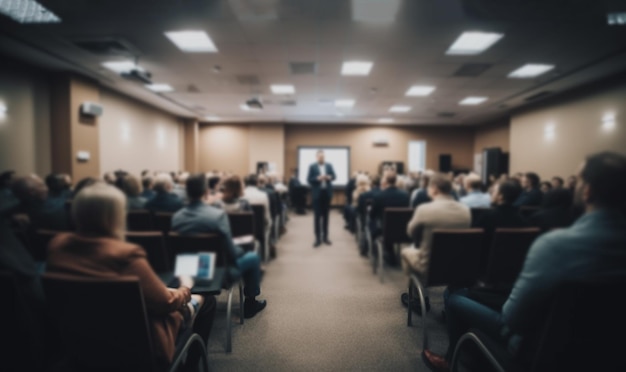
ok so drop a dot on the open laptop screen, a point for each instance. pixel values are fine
(197, 265)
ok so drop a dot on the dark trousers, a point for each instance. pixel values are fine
(321, 206)
(202, 323)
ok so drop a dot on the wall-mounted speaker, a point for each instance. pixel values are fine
(91, 109)
(445, 163)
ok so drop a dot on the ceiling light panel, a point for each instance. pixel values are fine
(385, 120)
(192, 41)
(160, 88)
(472, 101)
(358, 68)
(399, 108)
(530, 70)
(375, 11)
(344, 103)
(120, 66)
(420, 90)
(27, 11)
(616, 19)
(282, 89)
(471, 43)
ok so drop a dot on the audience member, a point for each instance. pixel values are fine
(459, 185)
(198, 218)
(545, 187)
(87, 181)
(475, 197)
(420, 196)
(148, 183)
(591, 249)
(362, 186)
(214, 183)
(179, 186)
(556, 211)
(557, 183)
(531, 195)
(275, 205)
(232, 196)
(98, 250)
(132, 190)
(164, 200)
(109, 178)
(257, 197)
(368, 195)
(52, 214)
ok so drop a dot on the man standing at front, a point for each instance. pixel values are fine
(320, 179)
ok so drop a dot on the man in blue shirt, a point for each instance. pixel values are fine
(164, 200)
(532, 195)
(593, 248)
(475, 197)
(198, 218)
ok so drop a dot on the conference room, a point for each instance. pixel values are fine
(312, 185)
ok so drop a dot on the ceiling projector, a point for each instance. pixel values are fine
(254, 104)
(138, 75)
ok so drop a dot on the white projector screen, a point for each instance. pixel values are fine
(339, 157)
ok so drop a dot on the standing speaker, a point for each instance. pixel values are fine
(445, 163)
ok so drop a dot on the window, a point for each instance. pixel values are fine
(417, 156)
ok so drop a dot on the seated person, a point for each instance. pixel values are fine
(98, 250)
(557, 183)
(199, 218)
(275, 204)
(147, 182)
(475, 197)
(555, 212)
(368, 195)
(53, 215)
(87, 181)
(232, 196)
(420, 195)
(504, 214)
(257, 197)
(350, 210)
(179, 186)
(164, 200)
(545, 187)
(591, 249)
(132, 189)
(531, 195)
(390, 196)
(442, 213)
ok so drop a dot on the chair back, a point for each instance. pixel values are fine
(455, 257)
(154, 245)
(102, 322)
(507, 254)
(527, 210)
(395, 221)
(139, 220)
(38, 243)
(241, 223)
(68, 213)
(177, 243)
(477, 214)
(259, 222)
(162, 221)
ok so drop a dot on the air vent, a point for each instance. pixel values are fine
(446, 114)
(248, 80)
(537, 96)
(303, 68)
(472, 69)
(192, 89)
(108, 47)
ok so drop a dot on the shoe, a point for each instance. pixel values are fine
(317, 244)
(253, 307)
(435, 362)
(416, 306)
(327, 242)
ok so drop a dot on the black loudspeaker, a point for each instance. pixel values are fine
(398, 166)
(445, 163)
(495, 163)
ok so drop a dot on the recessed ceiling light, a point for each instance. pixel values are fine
(420, 90)
(121, 66)
(27, 11)
(616, 18)
(192, 41)
(356, 68)
(471, 101)
(549, 131)
(282, 89)
(385, 120)
(530, 70)
(160, 88)
(470, 43)
(344, 102)
(399, 108)
(375, 11)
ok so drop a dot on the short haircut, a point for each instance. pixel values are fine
(251, 180)
(533, 178)
(56, 183)
(390, 177)
(196, 186)
(441, 182)
(559, 180)
(473, 182)
(262, 180)
(213, 181)
(163, 183)
(510, 191)
(547, 184)
(232, 187)
(131, 185)
(5, 178)
(146, 182)
(605, 173)
(376, 181)
(100, 210)
(85, 182)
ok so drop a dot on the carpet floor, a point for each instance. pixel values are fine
(326, 312)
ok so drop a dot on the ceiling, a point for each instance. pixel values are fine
(258, 39)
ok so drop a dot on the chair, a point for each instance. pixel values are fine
(454, 260)
(395, 221)
(477, 214)
(162, 221)
(139, 220)
(526, 211)
(582, 316)
(104, 325)
(209, 243)
(242, 224)
(39, 242)
(260, 234)
(507, 254)
(68, 213)
(154, 245)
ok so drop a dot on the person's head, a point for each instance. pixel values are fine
(557, 182)
(251, 180)
(439, 184)
(602, 181)
(213, 182)
(389, 179)
(473, 183)
(147, 183)
(506, 193)
(131, 186)
(530, 181)
(87, 181)
(196, 186)
(109, 178)
(232, 188)
(29, 190)
(320, 156)
(163, 183)
(262, 180)
(545, 187)
(182, 178)
(57, 183)
(557, 198)
(362, 181)
(376, 181)
(6, 178)
(100, 210)
(145, 173)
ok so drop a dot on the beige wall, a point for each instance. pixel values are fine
(135, 136)
(492, 135)
(267, 143)
(577, 132)
(84, 130)
(25, 131)
(224, 148)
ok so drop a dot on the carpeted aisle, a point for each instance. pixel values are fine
(326, 312)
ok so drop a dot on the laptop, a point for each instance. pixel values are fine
(200, 266)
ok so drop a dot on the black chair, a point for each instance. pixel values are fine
(154, 245)
(259, 231)
(139, 220)
(38, 243)
(104, 325)
(507, 254)
(477, 214)
(242, 224)
(581, 332)
(454, 261)
(395, 221)
(68, 213)
(210, 243)
(526, 211)
(162, 221)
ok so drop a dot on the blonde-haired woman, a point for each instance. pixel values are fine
(98, 250)
(362, 185)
